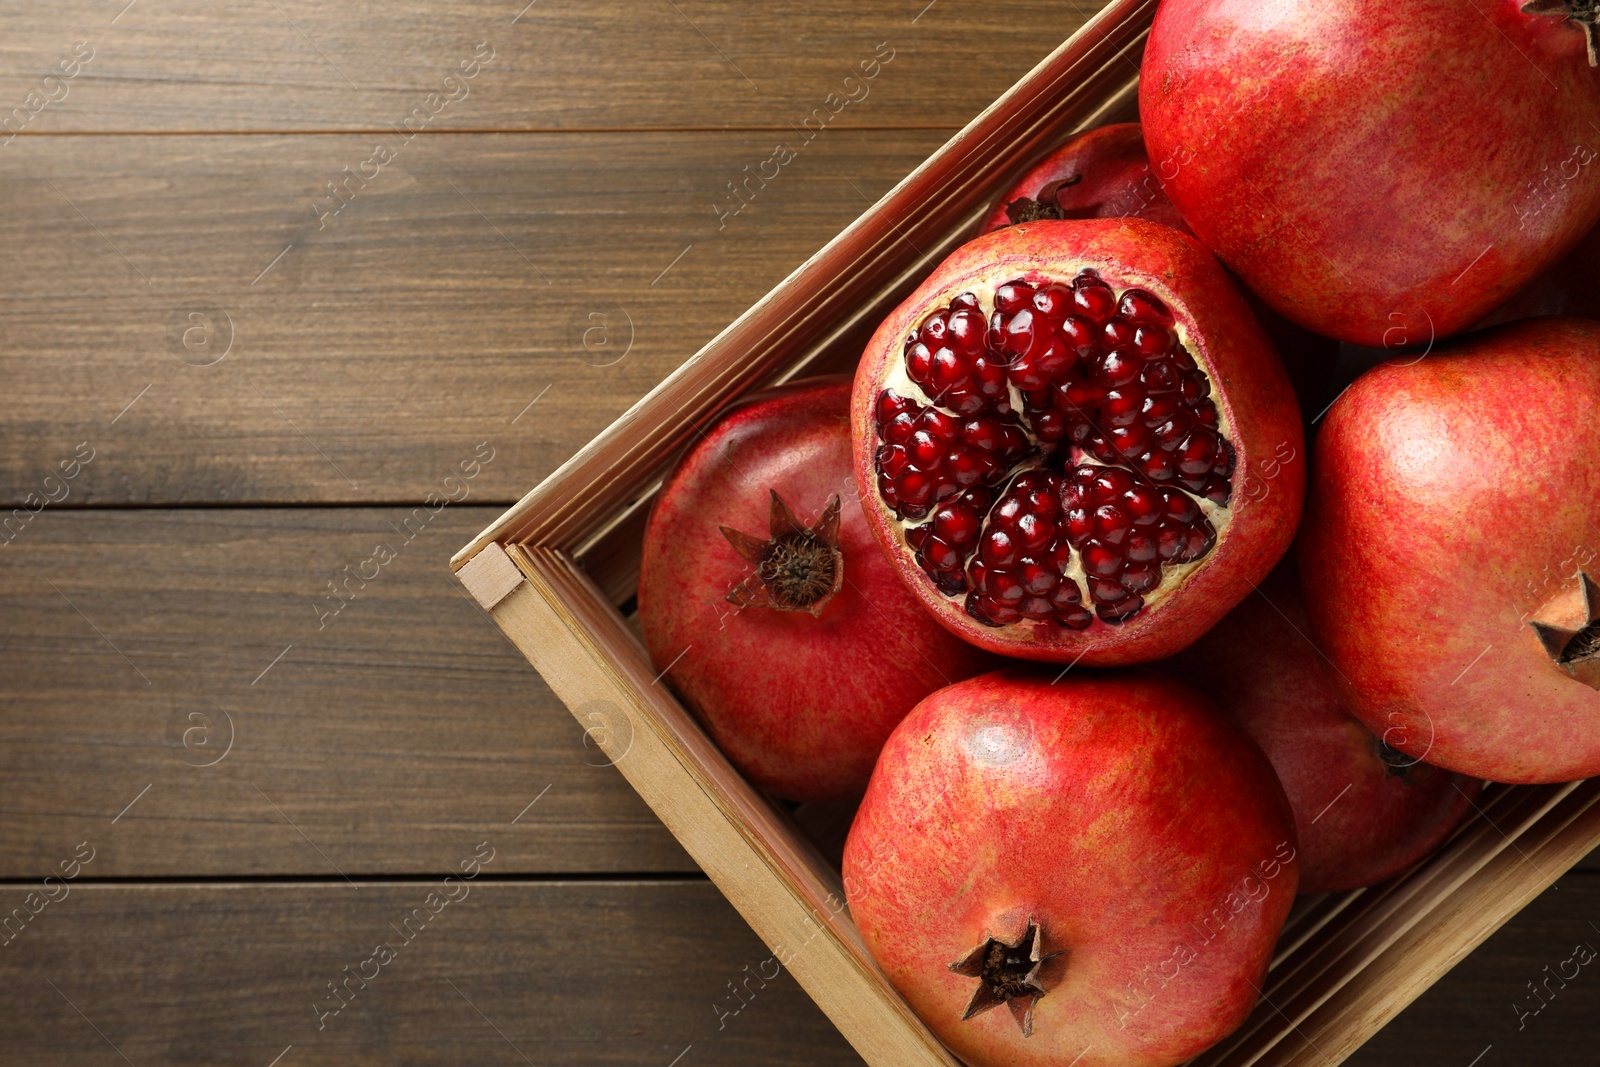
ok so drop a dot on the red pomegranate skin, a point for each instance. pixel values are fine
(1455, 498)
(1381, 173)
(1249, 387)
(1142, 832)
(1116, 180)
(799, 703)
(1361, 814)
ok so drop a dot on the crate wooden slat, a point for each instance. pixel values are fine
(1347, 963)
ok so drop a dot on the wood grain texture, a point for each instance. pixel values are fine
(458, 286)
(228, 974)
(301, 65)
(370, 357)
(403, 727)
(577, 974)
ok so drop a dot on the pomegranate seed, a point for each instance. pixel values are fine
(1151, 341)
(1111, 401)
(915, 488)
(1157, 467)
(926, 451)
(890, 406)
(1037, 578)
(1012, 297)
(1101, 560)
(1034, 532)
(1108, 483)
(966, 468)
(1159, 407)
(1111, 524)
(1140, 308)
(893, 460)
(1079, 526)
(1122, 408)
(1144, 504)
(919, 361)
(1181, 511)
(1140, 577)
(957, 524)
(1037, 608)
(1120, 611)
(1076, 618)
(966, 329)
(1140, 548)
(1197, 452)
(999, 551)
(1093, 299)
(1017, 333)
(1053, 301)
(1170, 542)
(995, 614)
(1118, 333)
(1106, 591)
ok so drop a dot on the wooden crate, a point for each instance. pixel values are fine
(556, 571)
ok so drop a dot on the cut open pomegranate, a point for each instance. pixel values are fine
(1051, 427)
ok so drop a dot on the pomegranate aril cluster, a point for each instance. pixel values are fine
(1124, 529)
(1107, 375)
(928, 456)
(1121, 431)
(944, 545)
(1024, 556)
(947, 359)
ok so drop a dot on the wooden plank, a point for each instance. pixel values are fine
(373, 744)
(298, 65)
(368, 358)
(228, 973)
(510, 973)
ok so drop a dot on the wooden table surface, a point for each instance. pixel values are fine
(269, 273)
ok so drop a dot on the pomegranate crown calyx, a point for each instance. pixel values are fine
(1568, 626)
(1582, 13)
(1046, 205)
(1396, 764)
(798, 567)
(1009, 973)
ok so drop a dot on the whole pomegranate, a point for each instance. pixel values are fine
(1363, 811)
(1381, 173)
(1075, 442)
(1449, 553)
(1101, 173)
(767, 606)
(1104, 173)
(1108, 859)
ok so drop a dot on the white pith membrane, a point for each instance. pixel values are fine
(1047, 457)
